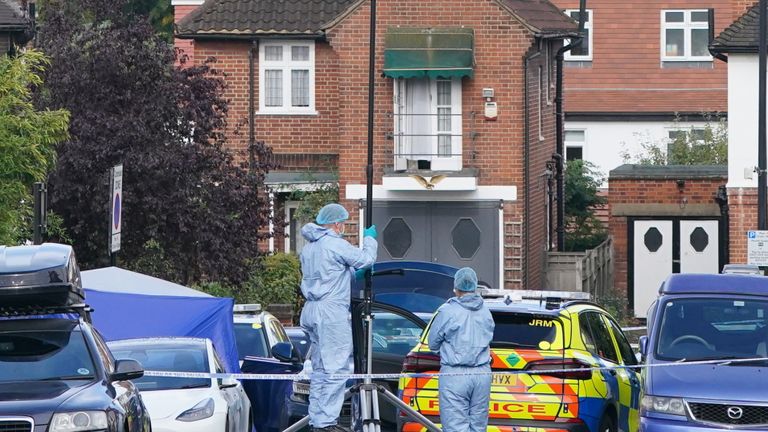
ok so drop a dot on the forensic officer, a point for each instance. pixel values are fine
(328, 264)
(461, 332)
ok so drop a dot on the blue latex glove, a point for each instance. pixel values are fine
(370, 232)
(360, 273)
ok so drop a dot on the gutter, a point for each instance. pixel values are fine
(526, 169)
(252, 53)
(559, 155)
(715, 54)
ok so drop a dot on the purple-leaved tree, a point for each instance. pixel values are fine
(192, 210)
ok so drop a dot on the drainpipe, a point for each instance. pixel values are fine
(252, 52)
(559, 150)
(717, 55)
(722, 201)
(526, 170)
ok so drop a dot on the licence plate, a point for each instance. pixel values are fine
(301, 387)
(499, 379)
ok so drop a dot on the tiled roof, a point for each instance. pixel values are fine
(542, 16)
(247, 17)
(741, 36)
(11, 17)
(233, 18)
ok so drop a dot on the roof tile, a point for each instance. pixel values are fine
(741, 36)
(11, 16)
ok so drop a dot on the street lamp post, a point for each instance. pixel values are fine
(761, 132)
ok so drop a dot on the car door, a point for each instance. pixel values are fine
(235, 408)
(629, 380)
(599, 343)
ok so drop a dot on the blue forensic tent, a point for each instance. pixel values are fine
(132, 305)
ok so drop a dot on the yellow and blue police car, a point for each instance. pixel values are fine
(550, 347)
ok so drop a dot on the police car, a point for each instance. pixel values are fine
(537, 334)
(56, 372)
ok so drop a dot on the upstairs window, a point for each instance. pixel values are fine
(287, 77)
(685, 35)
(582, 52)
(574, 144)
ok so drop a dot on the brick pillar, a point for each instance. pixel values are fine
(742, 204)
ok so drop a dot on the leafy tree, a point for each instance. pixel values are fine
(159, 12)
(28, 139)
(310, 202)
(582, 183)
(186, 199)
(691, 146)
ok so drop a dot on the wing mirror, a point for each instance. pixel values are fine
(227, 382)
(643, 341)
(285, 352)
(127, 369)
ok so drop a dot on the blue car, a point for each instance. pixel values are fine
(717, 318)
(405, 294)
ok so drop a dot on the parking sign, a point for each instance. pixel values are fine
(116, 205)
(757, 248)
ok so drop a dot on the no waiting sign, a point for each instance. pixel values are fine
(757, 247)
(116, 206)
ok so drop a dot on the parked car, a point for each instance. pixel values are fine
(186, 404)
(752, 269)
(256, 331)
(534, 335)
(57, 374)
(721, 318)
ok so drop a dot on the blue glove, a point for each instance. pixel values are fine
(360, 273)
(370, 232)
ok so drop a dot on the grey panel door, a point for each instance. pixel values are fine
(460, 234)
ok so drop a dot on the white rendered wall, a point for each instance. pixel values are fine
(742, 118)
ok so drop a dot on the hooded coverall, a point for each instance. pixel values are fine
(328, 265)
(462, 331)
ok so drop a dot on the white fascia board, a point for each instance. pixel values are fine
(481, 193)
(408, 183)
(187, 2)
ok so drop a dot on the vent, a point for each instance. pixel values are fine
(728, 414)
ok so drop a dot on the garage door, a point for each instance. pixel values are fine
(459, 234)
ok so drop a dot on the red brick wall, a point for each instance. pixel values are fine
(741, 6)
(742, 205)
(627, 59)
(643, 191)
(187, 45)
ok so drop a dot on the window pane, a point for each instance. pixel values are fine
(699, 42)
(443, 92)
(300, 88)
(674, 17)
(444, 119)
(700, 16)
(274, 88)
(444, 145)
(583, 49)
(675, 134)
(574, 153)
(574, 136)
(675, 43)
(698, 134)
(575, 15)
(273, 53)
(300, 53)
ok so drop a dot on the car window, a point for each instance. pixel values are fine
(699, 328)
(250, 340)
(170, 358)
(104, 352)
(393, 333)
(278, 331)
(625, 349)
(45, 355)
(526, 330)
(603, 344)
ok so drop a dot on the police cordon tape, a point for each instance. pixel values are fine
(304, 377)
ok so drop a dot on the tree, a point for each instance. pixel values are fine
(185, 197)
(159, 12)
(582, 183)
(690, 146)
(28, 137)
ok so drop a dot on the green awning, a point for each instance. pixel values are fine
(424, 52)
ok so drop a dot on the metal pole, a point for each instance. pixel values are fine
(369, 179)
(761, 132)
(38, 218)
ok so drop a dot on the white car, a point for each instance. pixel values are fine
(186, 404)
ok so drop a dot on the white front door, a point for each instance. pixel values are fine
(699, 246)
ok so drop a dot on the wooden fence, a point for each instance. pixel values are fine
(590, 271)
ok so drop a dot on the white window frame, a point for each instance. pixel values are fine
(687, 130)
(588, 29)
(287, 207)
(582, 144)
(286, 65)
(451, 163)
(687, 25)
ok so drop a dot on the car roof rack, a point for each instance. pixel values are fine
(547, 299)
(82, 310)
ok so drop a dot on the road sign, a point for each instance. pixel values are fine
(115, 216)
(757, 248)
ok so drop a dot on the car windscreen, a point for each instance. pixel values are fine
(525, 330)
(250, 340)
(45, 355)
(167, 358)
(417, 291)
(712, 328)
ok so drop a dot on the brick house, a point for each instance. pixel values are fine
(15, 27)
(464, 116)
(645, 64)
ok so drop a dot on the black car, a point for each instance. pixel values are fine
(56, 372)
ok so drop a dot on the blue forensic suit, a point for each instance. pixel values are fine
(328, 265)
(462, 332)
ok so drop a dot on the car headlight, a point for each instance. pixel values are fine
(664, 405)
(201, 411)
(79, 421)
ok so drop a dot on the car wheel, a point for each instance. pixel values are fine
(607, 424)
